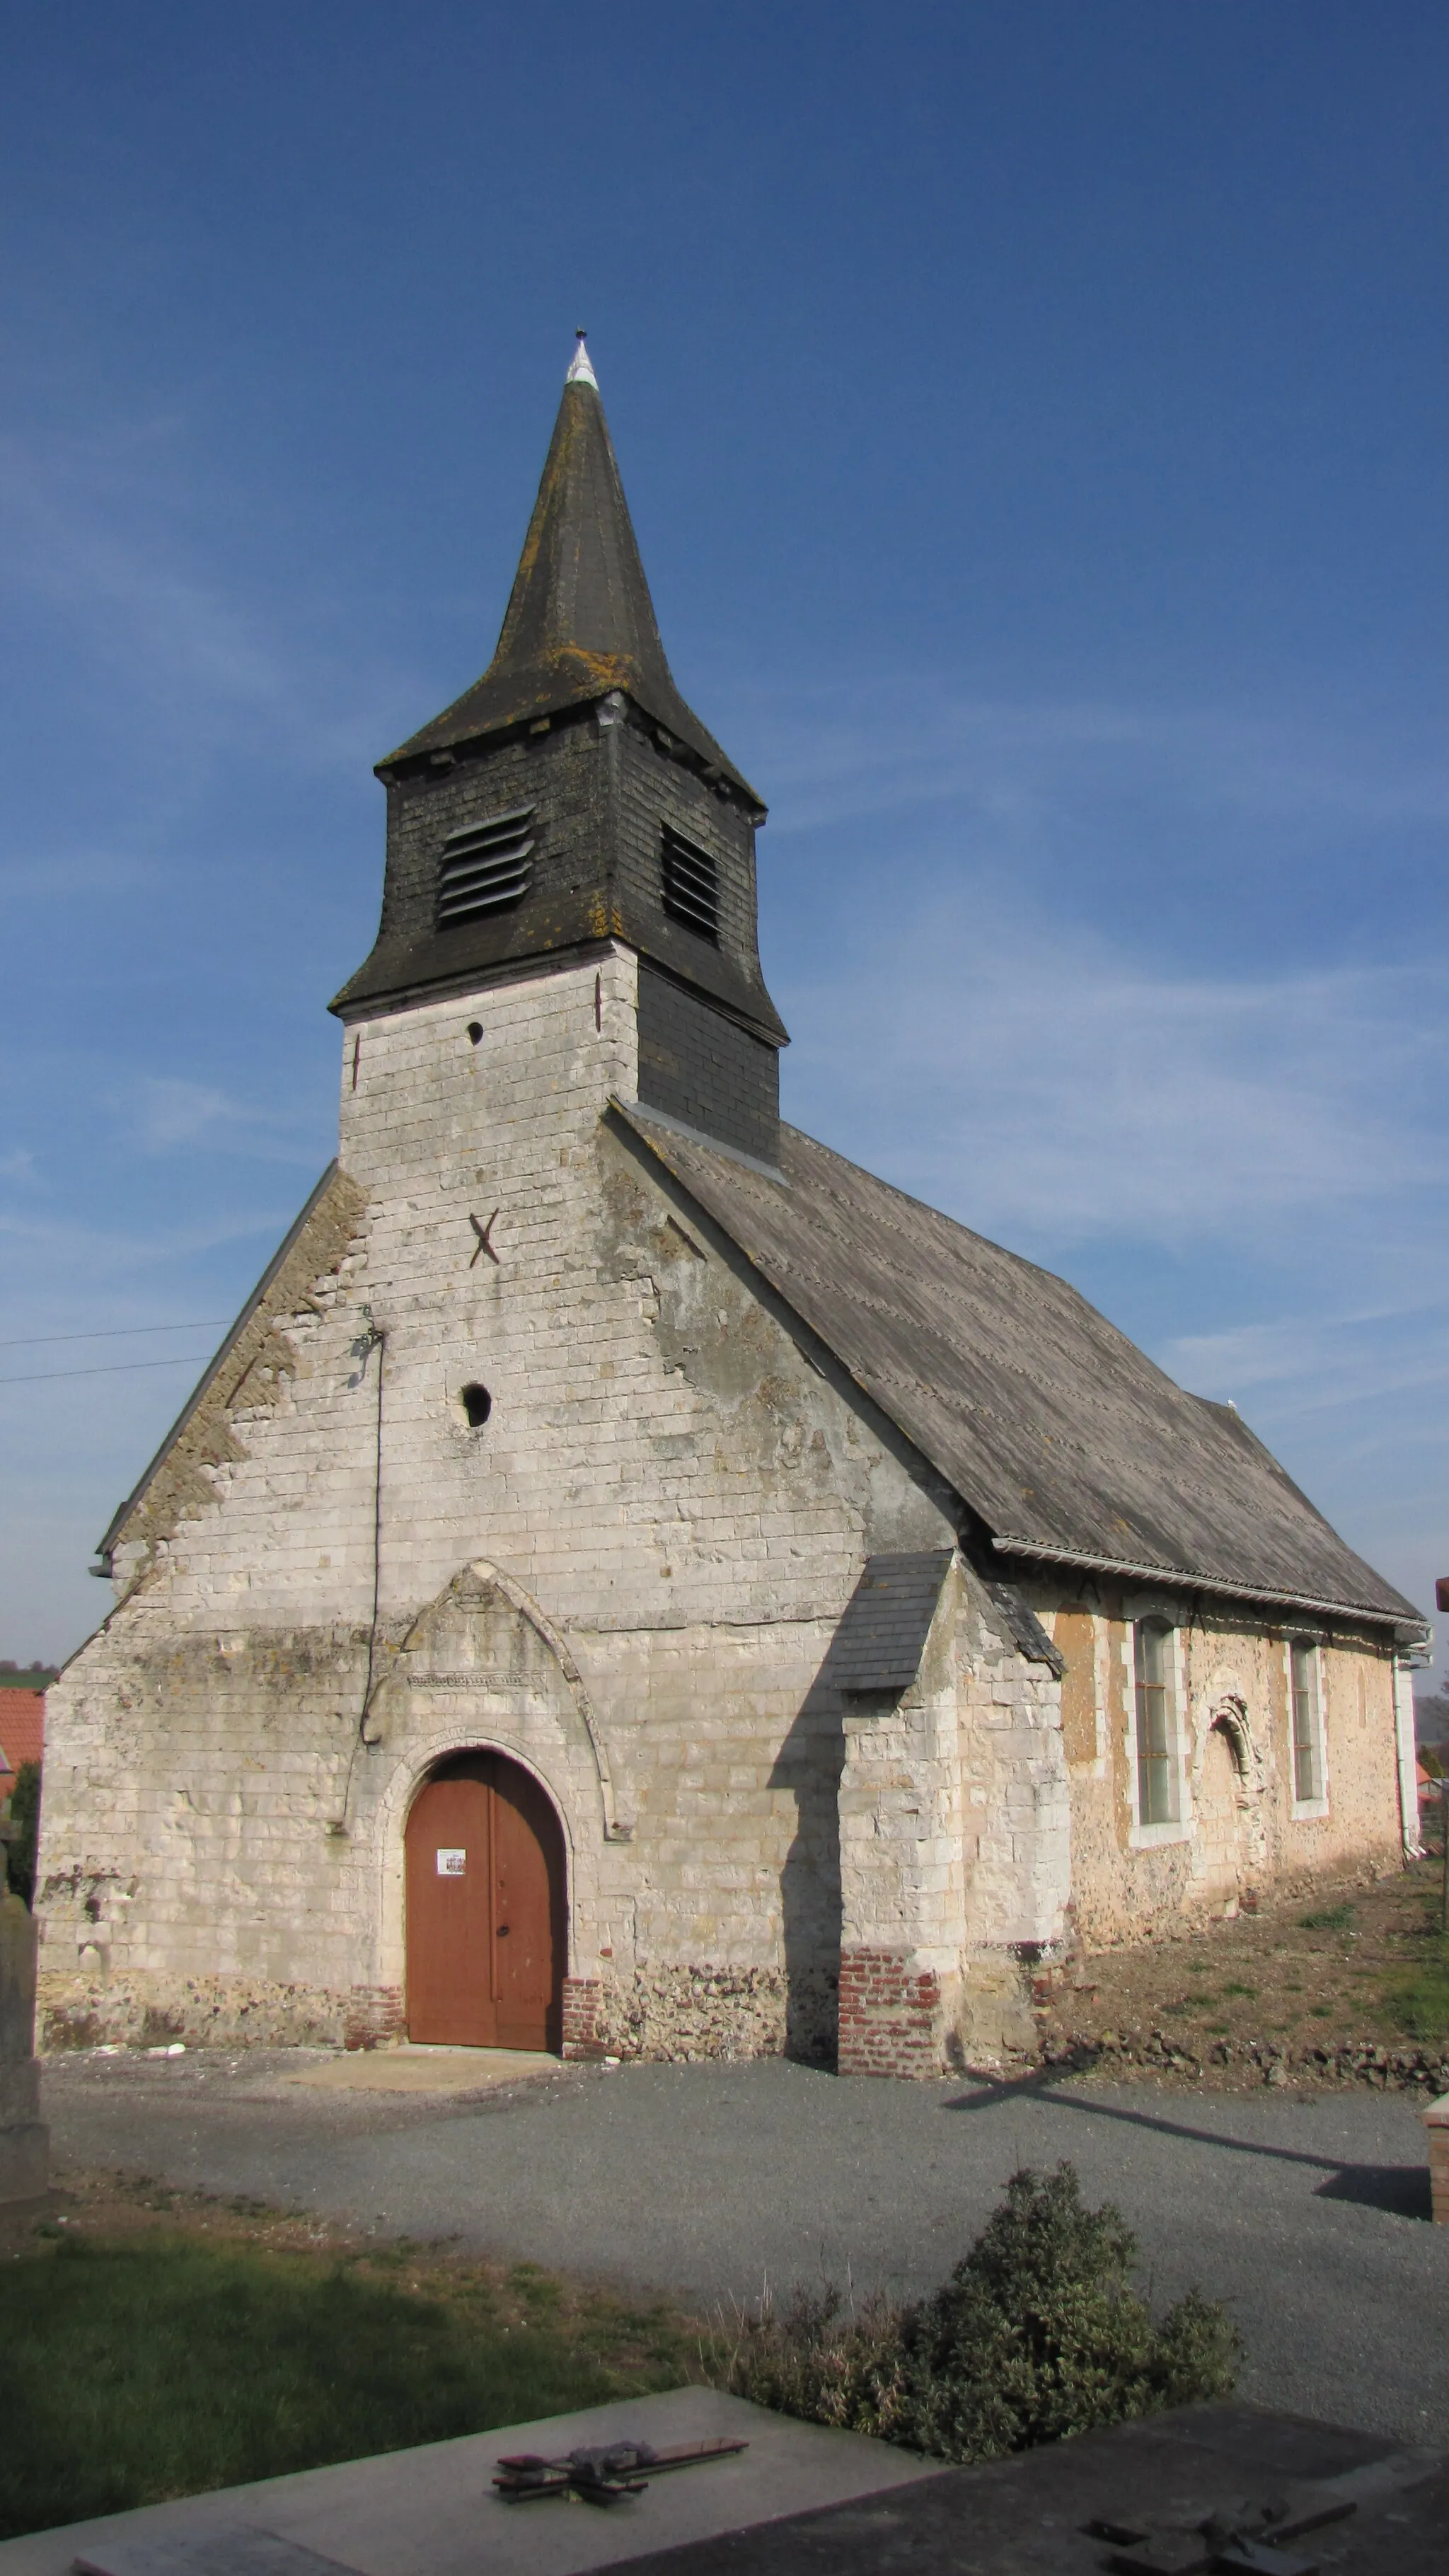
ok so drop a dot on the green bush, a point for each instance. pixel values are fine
(1038, 2334)
(25, 1817)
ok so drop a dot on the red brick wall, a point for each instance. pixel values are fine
(581, 2017)
(375, 2014)
(888, 2015)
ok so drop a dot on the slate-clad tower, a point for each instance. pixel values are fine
(570, 797)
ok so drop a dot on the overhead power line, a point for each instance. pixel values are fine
(113, 1333)
(117, 1368)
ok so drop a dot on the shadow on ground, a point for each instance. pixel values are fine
(1402, 2190)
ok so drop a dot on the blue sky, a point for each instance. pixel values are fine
(1034, 421)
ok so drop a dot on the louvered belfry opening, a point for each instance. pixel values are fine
(691, 883)
(485, 866)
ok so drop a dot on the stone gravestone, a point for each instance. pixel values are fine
(24, 2138)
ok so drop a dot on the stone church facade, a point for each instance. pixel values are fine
(630, 1581)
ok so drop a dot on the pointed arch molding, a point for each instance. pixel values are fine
(616, 1828)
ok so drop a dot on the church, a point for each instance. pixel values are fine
(630, 1581)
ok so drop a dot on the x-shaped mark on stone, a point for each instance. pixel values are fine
(483, 1232)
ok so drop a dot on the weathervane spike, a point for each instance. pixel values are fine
(581, 373)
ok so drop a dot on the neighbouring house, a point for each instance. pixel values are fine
(630, 1579)
(22, 1724)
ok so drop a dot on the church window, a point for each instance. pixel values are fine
(485, 867)
(1307, 1734)
(477, 1403)
(1156, 1748)
(691, 884)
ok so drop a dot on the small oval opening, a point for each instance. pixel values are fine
(477, 1403)
(475, 1032)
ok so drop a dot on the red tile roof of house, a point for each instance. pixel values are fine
(22, 1733)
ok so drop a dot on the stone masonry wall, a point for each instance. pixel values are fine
(656, 1529)
(1231, 1678)
(955, 1851)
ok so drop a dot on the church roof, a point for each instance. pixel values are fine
(883, 1629)
(1059, 1434)
(580, 621)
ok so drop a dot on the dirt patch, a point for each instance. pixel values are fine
(1350, 1985)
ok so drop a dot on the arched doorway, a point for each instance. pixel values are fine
(1219, 1802)
(486, 1908)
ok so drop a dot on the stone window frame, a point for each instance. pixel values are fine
(1306, 1810)
(1153, 1611)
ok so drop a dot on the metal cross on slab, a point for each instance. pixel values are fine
(484, 1232)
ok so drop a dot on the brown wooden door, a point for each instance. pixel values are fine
(485, 1908)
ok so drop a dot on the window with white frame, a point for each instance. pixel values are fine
(1156, 1728)
(1307, 1727)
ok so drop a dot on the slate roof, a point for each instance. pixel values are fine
(883, 1628)
(1059, 1434)
(580, 621)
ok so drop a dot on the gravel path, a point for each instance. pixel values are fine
(1307, 2212)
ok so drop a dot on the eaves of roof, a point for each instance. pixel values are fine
(1063, 1440)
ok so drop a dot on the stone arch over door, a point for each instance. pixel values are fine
(479, 1673)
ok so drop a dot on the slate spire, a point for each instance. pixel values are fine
(580, 621)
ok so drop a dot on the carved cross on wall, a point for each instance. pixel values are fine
(483, 1244)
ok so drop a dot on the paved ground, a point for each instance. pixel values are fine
(1308, 2212)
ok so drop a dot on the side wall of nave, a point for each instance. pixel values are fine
(1240, 1832)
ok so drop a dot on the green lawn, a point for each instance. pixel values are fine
(1419, 2000)
(164, 2365)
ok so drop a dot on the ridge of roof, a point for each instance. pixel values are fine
(580, 622)
(1065, 1440)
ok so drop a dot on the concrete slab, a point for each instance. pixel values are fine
(426, 2070)
(432, 2511)
(1361, 2508)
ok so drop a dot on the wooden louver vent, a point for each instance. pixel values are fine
(691, 884)
(485, 866)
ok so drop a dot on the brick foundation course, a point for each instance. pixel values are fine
(889, 2016)
(581, 2018)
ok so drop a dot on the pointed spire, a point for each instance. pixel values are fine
(580, 622)
(581, 372)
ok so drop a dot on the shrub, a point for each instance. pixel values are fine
(25, 1817)
(1038, 2334)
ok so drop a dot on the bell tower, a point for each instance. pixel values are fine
(571, 799)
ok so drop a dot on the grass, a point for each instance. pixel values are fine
(136, 2368)
(1328, 1970)
(1419, 2000)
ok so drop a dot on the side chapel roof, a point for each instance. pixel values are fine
(1060, 1435)
(580, 621)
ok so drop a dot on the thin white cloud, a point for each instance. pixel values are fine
(164, 1114)
(857, 749)
(157, 626)
(1037, 1083)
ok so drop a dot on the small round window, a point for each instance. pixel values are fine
(477, 1403)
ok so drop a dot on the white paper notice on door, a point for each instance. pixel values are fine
(452, 1864)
